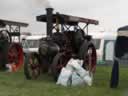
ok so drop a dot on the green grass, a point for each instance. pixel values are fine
(15, 84)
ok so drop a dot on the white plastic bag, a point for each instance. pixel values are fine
(64, 77)
(76, 79)
(9, 67)
(83, 74)
(74, 74)
(76, 65)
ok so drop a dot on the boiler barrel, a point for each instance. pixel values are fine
(48, 48)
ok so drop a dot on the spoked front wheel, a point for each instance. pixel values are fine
(59, 61)
(32, 66)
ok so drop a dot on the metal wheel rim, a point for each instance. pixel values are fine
(58, 63)
(33, 66)
(90, 60)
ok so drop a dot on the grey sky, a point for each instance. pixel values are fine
(110, 13)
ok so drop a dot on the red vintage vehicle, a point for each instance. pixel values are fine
(11, 53)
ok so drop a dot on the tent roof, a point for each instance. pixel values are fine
(124, 28)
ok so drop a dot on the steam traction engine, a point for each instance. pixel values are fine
(65, 39)
(11, 53)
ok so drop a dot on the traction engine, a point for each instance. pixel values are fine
(65, 40)
(11, 53)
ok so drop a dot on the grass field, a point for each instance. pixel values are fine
(15, 84)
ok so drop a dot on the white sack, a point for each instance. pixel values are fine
(76, 64)
(84, 75)
(64, 77)
(74, 71)
(77, 80)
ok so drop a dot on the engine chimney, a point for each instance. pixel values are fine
(49, 21)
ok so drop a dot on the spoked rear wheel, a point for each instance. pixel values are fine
(90, 59)
(32, 66)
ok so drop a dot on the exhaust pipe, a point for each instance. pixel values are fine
(49, 12)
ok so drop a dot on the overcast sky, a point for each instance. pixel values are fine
(111, 14)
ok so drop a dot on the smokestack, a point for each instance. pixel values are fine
(49, 21)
